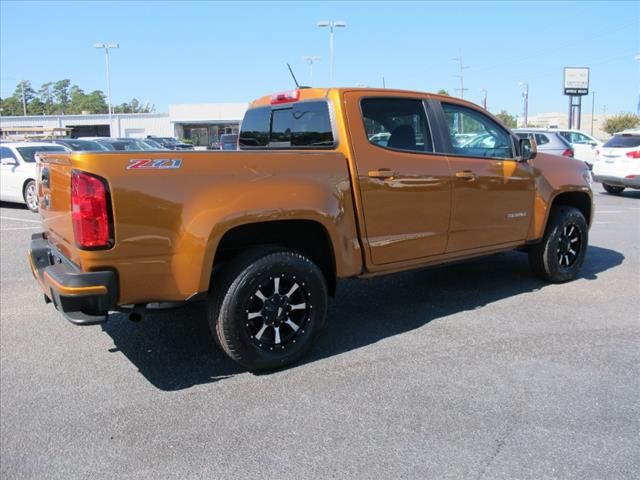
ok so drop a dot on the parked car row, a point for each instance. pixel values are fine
(565, 142)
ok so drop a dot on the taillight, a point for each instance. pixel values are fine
(568, 153)
(285, 97)
(90, 211)
(634, 154)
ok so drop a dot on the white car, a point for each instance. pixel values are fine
(18, 171)
(585, 146)
(617, 165)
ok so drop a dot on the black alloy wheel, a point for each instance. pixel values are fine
(559, 256)
(267, 307)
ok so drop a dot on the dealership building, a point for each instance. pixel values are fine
(200, 123)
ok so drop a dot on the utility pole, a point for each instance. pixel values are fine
(24, 100)
(461, 76)
(311, 59)
(525, 103)
(593, 105)
(484, 98)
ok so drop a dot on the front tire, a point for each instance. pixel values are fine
(560, 255)
(267, 308)
(30, 195)
(612, 189)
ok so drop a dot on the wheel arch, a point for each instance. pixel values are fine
(307, 237)
(579, 200)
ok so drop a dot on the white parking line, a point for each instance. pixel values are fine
(609, 211)
(21, 220)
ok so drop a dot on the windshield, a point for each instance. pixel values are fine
(623, 141)
(85, 145)
(166, 141)
(28, 153)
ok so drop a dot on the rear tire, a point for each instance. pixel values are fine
(267, 308)
(560, 255)
(613, 190)
(30, 195)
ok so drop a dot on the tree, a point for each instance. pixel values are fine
(46, 97)
(509, 120)
(11, 107)
(134, 106)
(24, 93)
(61, 95)
(621, 122)
(442, 91)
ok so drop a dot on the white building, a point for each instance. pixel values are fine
(200, 123)
(560, 120)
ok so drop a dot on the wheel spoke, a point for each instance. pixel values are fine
(260, 295)
(276, 285)
(299, 306)
(572, 251)
(293, 326)
(293, 289)
(253, 315)
(571, 231)
(574, 240)
(277, 331)
(261, 331)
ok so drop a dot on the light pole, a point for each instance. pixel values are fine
(593, 105)
(106, 47)
(525, 103)
(331, 24)
(311, 59)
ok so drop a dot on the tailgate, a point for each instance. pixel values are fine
(54, 199)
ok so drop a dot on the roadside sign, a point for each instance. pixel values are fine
(576, 81)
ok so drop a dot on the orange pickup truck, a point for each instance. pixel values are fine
(328, 184)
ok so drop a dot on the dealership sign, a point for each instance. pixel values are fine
(576, 81)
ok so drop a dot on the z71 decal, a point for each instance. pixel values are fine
(159, 164)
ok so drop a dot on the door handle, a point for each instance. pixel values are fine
(382, 173)
(467, 175)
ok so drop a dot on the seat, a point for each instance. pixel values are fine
(403, 138)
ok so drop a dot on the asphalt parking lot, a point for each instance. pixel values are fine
(471, 371)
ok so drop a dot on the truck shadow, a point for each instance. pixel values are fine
(174, 349)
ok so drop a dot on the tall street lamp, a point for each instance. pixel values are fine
(311, 59)
(525, 103)
(331, 24)
(106, 47)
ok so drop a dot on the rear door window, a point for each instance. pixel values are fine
(397, 123)
(541, 139)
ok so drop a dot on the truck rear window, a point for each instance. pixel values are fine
(298, 125)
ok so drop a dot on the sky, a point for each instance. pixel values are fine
(210, 52)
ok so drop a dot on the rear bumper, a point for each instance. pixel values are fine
(618, 181)
(84, 298)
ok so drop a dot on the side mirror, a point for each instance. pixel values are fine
(528, 149)
(9, 161)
